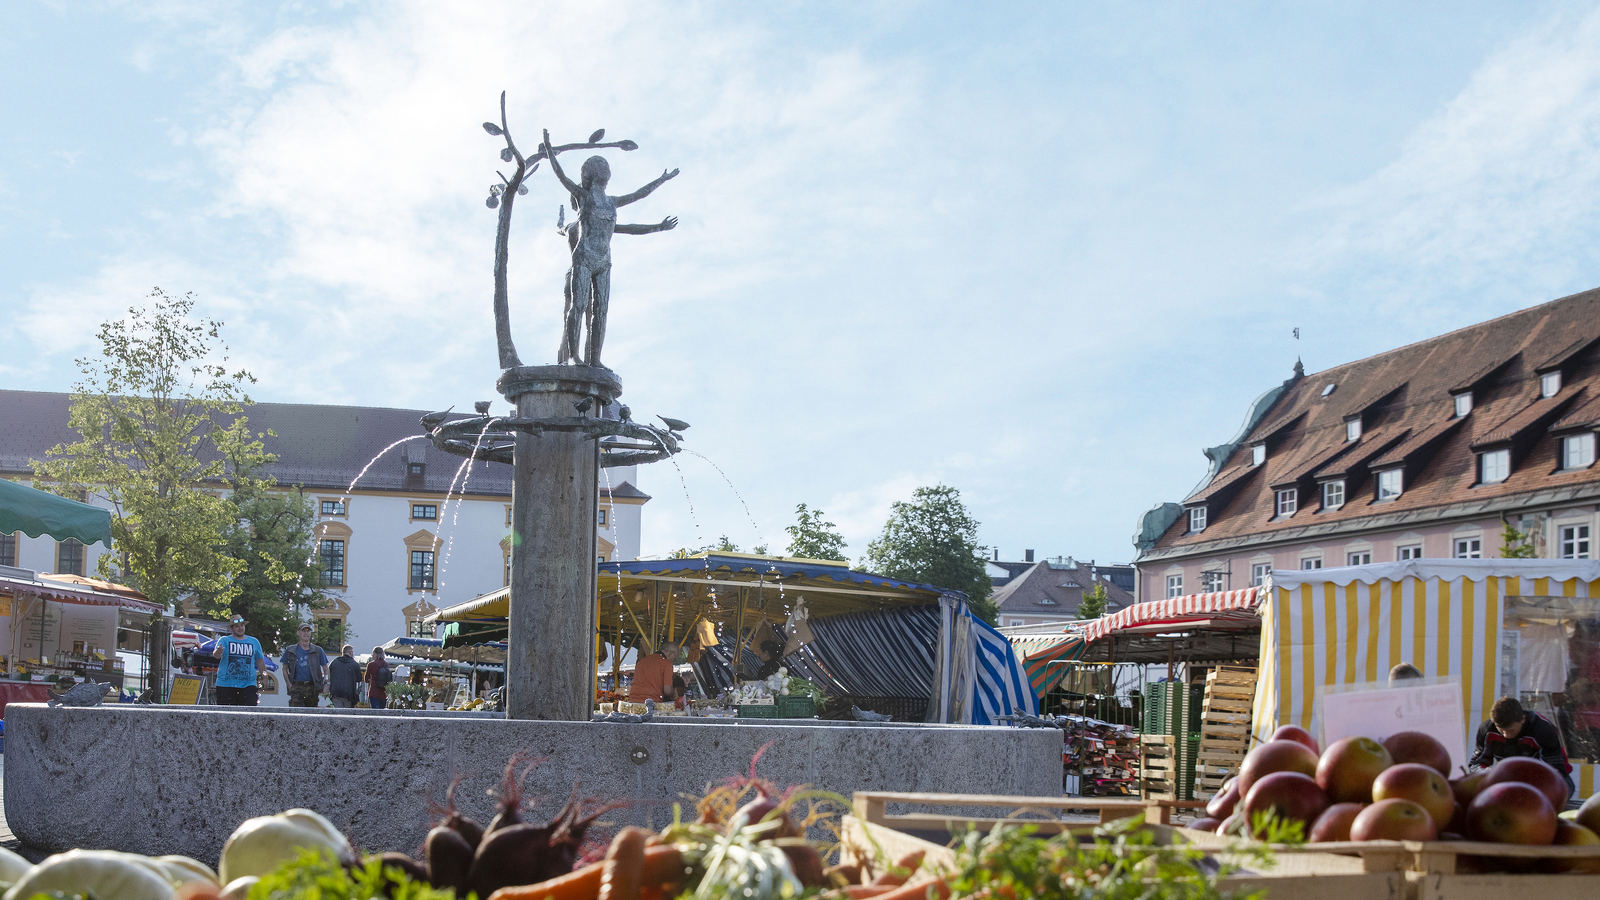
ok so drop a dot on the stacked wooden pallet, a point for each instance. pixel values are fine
(1160, 768)
(1224, 726)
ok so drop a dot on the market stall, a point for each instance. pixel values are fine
(62, 626)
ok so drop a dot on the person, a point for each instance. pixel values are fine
(1403, 672)
(240, 661)
(1514, 731)
(305, 668)
(652, 676)
(377, 678)
(680, 692)
(344, 674)
(771, 654)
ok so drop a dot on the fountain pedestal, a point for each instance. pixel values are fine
(550, 656)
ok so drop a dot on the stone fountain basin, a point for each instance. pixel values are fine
(155, 780)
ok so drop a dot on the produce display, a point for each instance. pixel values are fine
(1359, 790)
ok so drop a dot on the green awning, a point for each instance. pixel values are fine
(34, 512)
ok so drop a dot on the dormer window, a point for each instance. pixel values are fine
(1494, 466)
(1550, 384)
(1258, 454)
(1352, 429)
(1577, 451)
(1463, 403)
(1197, 519)
(415, 469)
(1333, 495)
(1288, 501)
(1391, 483)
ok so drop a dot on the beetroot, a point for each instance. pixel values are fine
(449, 859)
(451, 817)
(527, 854)
(806, 863)
(764, 808)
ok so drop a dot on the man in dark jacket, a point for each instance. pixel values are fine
(305, 667)
(344, 674)
(1514, 731)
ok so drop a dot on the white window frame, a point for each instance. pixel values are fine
(1352, 429)
(1197, 519)
(1016, 622)
(1467, 547)
(1358, 558)
(1258, 454)
(1408, 551)
(1577, 451)
(1574, 541)
(1287, 502)
(1549, 384)
(1311, 562)
(1211, 582)
(1494, 466)
(1398, 486)
(1329, 488)
(1259, 573)
(1463, 403)
(1174, 586)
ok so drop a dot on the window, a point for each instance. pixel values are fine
(424, 510)
(506, 582)
(1333, 495)
(1288, 501)
(1197, 519)
(603, 517)
(332, 563)
(1258, 454)
(1174, 586)
(1463, 403)
(69, 557)
(1549, 384)
(422, 570)
(1577, 451)
(1259, 573)
(333, 507)
(8, 549)
(508, 517)
(418, 629)
(1313, 562)
(1016, 622)
(416, 468)
(1352, 429)
(1412, 551)
(1390, 484)
(1494, 466)
(1469, 548)
(1574, 542)
(1211, 581)
(1362, 558)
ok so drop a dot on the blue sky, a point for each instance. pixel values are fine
(1040, 252)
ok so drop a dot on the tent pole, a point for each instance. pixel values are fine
(738, 633)
(672, 611)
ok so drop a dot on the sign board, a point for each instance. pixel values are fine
(185, 690)
(1434, 710)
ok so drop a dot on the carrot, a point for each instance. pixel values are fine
(624, 865)
(663, 865)
(900, 871)
(843, 874)
(937, 889)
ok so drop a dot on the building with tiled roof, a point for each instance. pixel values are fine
(400, 540)
(1050, 591)
(1429, 450)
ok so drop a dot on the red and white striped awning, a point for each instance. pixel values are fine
(63, 591)
(183, 639)
(1226, 606)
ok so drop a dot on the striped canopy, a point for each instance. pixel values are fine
(1043, 656)
(1227, 606)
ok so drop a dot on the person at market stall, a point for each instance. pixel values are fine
(305, 667)
(1514, 731)
(344, 674)
(652, 675)
(680, 692)
(1402, 673)
(240, 661)
(771, 654)
(377, 678)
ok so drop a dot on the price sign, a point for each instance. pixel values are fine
(1434, 710)
(185, 690)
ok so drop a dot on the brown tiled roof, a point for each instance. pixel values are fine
(1404, 398)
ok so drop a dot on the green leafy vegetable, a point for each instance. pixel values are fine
(317, 876)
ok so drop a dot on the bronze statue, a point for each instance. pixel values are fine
(589, 280)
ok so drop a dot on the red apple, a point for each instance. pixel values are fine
(1206, 824)
(1334, 823)
(1534, 772)
(1348, 768)
(1422, 785)
(1589, 814)
(1416, 747)
(1221, 806)
(1511, 813)
(1297, 734)
(1393, 820)
(1465, 788)
(1293, 796)
(1572, 835)
(1275, 756)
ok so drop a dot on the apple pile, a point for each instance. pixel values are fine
(1363, 790)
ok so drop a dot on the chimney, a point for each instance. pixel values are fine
(1027, 556)
(997, 554)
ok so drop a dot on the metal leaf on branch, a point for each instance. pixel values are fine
(492, 128)
(595, 138)
(505, 155)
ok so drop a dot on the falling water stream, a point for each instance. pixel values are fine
(347, 491)
(759, 536)
(460, 498)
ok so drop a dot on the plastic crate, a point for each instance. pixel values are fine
(765, 711)
(791, 707)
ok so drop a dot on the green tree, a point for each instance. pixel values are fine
(331, 635)
(157, 416)
(813, 537)
(1093, 604)
(934, 540)
(1514, 544)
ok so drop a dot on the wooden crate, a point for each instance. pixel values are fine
(1160, 767)
(1224, 727)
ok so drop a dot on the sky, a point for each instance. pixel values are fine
(1043, 253)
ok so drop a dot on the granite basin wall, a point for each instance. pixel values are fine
(160, 780)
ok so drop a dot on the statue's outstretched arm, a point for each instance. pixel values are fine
(667, 224)
(550, 154)
(643, 192)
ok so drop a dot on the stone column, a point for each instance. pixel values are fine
(550, 649)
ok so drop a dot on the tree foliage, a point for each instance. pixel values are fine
(934, 540)
(1093, 604)
(813, 537)
(1515, 545)
(157, 416)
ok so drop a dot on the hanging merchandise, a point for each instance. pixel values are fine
(798, 629)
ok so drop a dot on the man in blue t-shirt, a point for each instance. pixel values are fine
(239, 661)
(305, 668)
